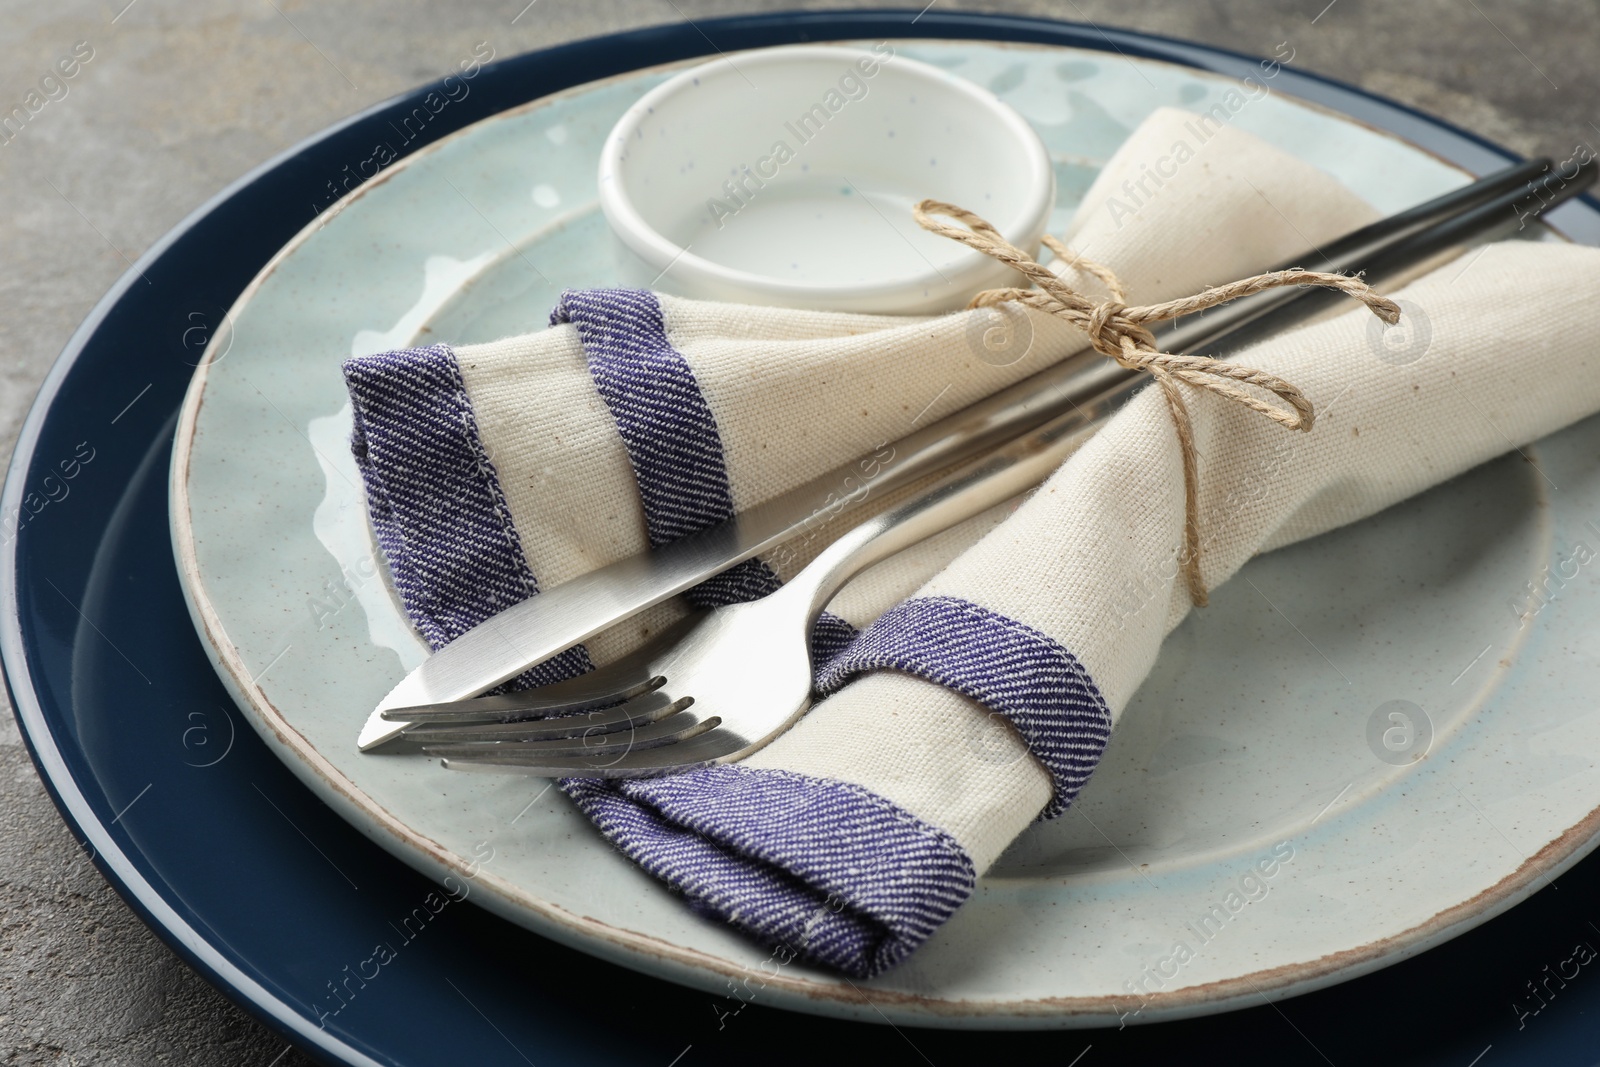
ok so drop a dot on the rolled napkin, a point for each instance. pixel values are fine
(639, 418)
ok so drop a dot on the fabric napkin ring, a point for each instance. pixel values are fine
(1015, 671)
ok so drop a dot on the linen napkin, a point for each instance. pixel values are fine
(638, 418)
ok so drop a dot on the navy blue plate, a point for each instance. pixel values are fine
(282, 905)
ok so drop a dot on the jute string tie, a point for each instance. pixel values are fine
(1118, 331)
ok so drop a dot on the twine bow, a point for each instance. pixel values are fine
(1118, 330)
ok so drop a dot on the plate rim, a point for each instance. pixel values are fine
(115, 863)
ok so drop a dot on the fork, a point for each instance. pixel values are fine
(725, 682)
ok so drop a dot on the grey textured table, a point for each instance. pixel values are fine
(177, 100)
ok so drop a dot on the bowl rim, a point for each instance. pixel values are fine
(965, 270)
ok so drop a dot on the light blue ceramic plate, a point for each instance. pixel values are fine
(1410, 755)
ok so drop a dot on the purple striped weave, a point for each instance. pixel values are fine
(817, 868)
(671, 437)
(1008, 667)
(435, 500)
(666, 427)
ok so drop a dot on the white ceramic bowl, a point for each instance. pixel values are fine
(786, 176)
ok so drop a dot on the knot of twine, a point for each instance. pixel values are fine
(1117, 330)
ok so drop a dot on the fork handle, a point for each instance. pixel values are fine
(967, 491)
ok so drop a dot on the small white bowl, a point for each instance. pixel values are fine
(786, 176)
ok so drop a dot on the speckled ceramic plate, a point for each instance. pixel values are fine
(1369, 743)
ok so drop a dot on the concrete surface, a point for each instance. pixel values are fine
(179, 99)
